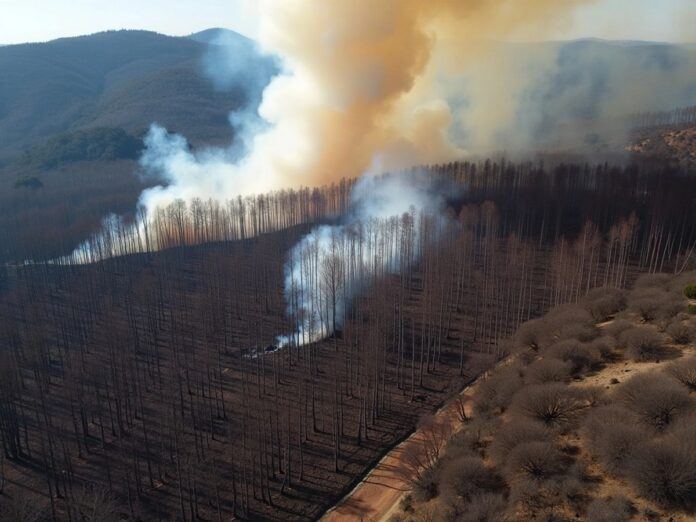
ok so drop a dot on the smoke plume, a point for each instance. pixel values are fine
(359, 78)
(330, 265)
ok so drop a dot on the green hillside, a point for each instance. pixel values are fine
(119, 79)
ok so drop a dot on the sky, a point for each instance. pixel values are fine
(42, 20)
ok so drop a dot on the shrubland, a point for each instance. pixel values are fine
(592, 416)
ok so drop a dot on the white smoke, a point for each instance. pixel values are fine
(332, 263)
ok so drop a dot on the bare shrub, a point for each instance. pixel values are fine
(548, 370)
(665, 471)
(655, 303)
(682, 332)
(425, 486)
(646, 302)
(531, 334)
(568, 314)
(592, 395)
(684, 370)
(603, 303)
(551, 404)
(643, 343)
(464, 477)
(537, 459)
(613, 435)
(605, 345)
(515, 432)
(485, 507)
(495, 392)
(609, 509)
(617, 327)
(471, 438)
(656, 399)
(581, 356)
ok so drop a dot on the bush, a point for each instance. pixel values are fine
(537, 460)
(484, 507)
(515, 432)
(613, 436)
(553, 404)
(610, 509)
(617, 327)
(426, 486)
(665, 472)
(531, 335)
(643, 343)
(692, 309)
(682, 332)
(653, 303)
(464, 477)
(470, 439)
(605, 346)
(495, 392)
(656, 399)
(690, 291)
(603, 303)
(684, 370)
(547, 370)
(581, 356)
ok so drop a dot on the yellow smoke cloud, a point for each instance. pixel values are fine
(365, 78)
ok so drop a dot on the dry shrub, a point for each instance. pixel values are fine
(684, 370)
(605, 345)
(484, 507)
(617, 327)
(515, 432)
(465, 477)
(581, 356)
(531, 334)
(565, 314)
(554, 405)
(655, 303)
(425, 486)
(613, 436)
(548, 370)
(682, 332)
(610, 509)
(592, 395)
(603, 303)
(470, 439)
(665, 471)
(495, 392)
(538, 460)
(643, 343)
(655, 399)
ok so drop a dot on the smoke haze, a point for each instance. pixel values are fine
(407, 82)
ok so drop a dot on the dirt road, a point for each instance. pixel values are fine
(380, 491)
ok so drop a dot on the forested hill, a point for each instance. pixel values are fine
(118, 79)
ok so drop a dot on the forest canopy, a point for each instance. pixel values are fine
(96, 144)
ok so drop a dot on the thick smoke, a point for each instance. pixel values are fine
(359, 78)
(416, 82)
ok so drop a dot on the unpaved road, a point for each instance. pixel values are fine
(379, 492)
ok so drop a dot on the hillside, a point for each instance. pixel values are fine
(590, 418)
(122, 79)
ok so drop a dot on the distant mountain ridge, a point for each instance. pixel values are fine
(117, 79)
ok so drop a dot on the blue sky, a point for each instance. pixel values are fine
(40, 20)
